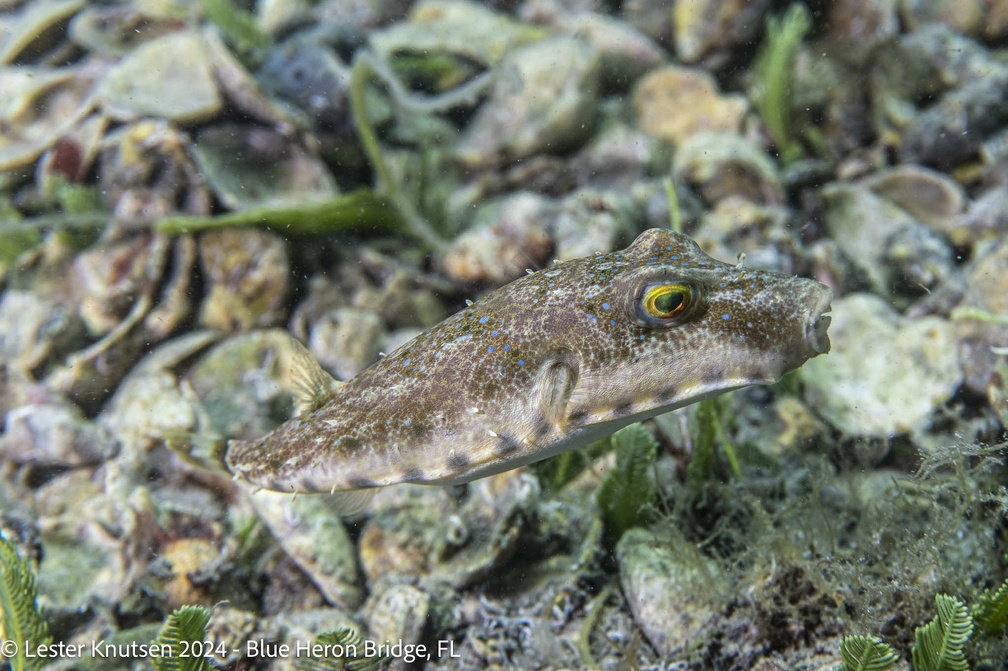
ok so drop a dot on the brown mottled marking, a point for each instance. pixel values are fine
(541, 366)
(457, 462)
(622, 410)
(505, 446)
(413, 475)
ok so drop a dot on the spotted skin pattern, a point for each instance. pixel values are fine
(548, 363)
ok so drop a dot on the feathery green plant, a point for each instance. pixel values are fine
(349, 642)
(183, 628)
(990, 614)
(939, 643)
(20, 618)
(865, 653)
(774, 69)
(625, 496)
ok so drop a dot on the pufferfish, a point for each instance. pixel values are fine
(548, 363)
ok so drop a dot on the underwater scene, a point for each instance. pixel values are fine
(615, 335)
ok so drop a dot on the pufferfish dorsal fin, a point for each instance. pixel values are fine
(312, 385)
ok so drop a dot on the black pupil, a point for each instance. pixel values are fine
(669, 302)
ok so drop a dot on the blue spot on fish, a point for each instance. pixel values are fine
(726, 317)
(521, 362)
(605, 306)
(490, 349)
(484, 320)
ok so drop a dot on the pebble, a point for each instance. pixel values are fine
(673, 590)
(311, 532)
(674, 102)
(722, 164)
(544, 99)
(885, 375)
(506, 237)
(170, 77)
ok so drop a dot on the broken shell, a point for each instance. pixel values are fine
(980, 321)
(951, 131)
(878, 392)
(243, 383)
(986, 217)
(241, 88)
(170, 77)
(462, 29)
(346, 340)
(626, 53)
(655, 572)
(552, 109)
(312, 534)
(889, 248)
(709, 29)
(55, 435)
(249, 166)
(965, 16)
(399, 613)
(618, 158)
(145, 172)
(861, 25)
(724, 164)
(930, 196)
(247, 271)
(33, 26)
(589, 221)
(110, 279)
(34, 329)
(405, 533)
(149, 404)
(117, 30)
(39, 106)
(415, 531)
(506, 237)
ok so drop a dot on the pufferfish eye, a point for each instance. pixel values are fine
(664, 303)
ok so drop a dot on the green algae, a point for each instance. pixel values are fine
(239, 26)
(361, 212)
(774, 68)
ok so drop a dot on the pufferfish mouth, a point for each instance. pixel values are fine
(818, 323)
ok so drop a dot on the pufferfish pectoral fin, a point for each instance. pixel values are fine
(312, 385)
(551, 392)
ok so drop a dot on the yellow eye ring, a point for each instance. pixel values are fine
(667, 301)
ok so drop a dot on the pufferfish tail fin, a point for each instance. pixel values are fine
(312, 385)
